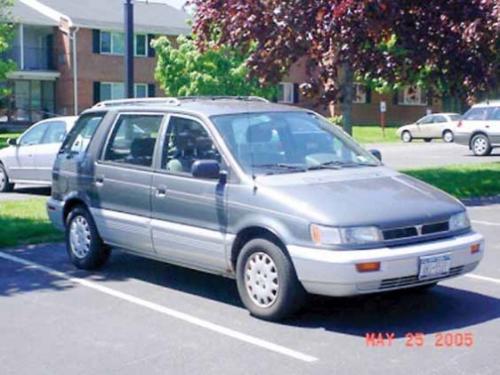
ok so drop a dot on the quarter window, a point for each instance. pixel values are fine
(186, 142)
(133, 140)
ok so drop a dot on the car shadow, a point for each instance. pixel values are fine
(33, 190)
(441, 309)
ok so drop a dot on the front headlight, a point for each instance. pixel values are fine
(322, 235)
(459, 221)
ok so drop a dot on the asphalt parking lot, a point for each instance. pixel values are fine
(141, 316)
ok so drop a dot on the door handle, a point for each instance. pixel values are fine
(161, 191)
(99, 181)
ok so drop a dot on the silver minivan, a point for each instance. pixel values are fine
(271, 195)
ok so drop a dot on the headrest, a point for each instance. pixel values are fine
(141, 147)
(259, 133)
(204, 143)
(184, 141)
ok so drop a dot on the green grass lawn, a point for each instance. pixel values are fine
(26, 222)
(374, 134)
(5, 136)
(463, 181)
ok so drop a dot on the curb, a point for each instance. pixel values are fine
(481, 201)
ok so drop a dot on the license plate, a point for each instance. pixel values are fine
(434, 266)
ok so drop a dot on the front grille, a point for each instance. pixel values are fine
(415, 231)
(414, 280)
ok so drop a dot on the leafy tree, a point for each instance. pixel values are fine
(6, 34)
(183, 70)
(450, 46)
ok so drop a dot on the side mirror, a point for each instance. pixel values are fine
(377, 154)
(209, 169)
(12, 141)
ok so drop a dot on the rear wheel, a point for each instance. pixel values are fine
(85, 248)
(267, 282)
(5, 185)
(406, 136)
(481, 145)
(448, 136)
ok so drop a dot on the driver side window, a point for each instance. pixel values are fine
(186, 141)
(33, 136)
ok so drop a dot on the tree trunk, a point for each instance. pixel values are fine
(347, 93)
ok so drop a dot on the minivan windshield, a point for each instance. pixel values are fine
(287, 142)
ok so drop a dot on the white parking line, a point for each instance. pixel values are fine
(480, 222)
(483, 278)
(165, 310)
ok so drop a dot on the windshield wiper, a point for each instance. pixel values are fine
(335, 164)
(283, 167)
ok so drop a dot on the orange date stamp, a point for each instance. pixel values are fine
(419, 339)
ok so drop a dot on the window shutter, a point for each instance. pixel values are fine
(97, 92)
(151, 50)
(96, 41)
(296, 93)
(395, 99)
(151, 90)
(368, 95)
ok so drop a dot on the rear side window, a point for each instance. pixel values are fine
(79, 137)
(133, 140)
(55, 132)
(495, 115)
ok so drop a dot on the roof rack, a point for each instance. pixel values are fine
(174, 101)
(141, 101)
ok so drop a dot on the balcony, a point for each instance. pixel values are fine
(33, 58)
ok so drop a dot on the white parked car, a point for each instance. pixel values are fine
(480, 128)
(435, 126)
(29, 159)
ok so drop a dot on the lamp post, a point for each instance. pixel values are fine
(129, 48)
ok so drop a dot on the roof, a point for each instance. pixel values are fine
(489, 103)
(151, 17)
(207, 107)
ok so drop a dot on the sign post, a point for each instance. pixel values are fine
(383, 110)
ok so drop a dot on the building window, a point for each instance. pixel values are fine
(412, 95)
(116, 90)
(113, 43)
(360, 94)
(286, 92)
(141, 45)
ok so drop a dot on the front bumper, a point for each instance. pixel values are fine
(333, 273)
(55, 212)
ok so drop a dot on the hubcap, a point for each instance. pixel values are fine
(406, 137)
(448, 137)
(261, 279)
(80, 237)
(3, 179)
(480, 145)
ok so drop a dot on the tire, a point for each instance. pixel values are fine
(427, 140)
(5, 185)
(480, 145)
(264, 265)
(83, 243)
(448, 136)
(406, 136)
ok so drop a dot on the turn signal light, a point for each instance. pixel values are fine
(475, 248)
(368, 267)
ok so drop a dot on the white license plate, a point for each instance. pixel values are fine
(434, 266)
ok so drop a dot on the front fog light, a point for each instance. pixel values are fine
(459, 221)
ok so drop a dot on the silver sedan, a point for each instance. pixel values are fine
(435, 126)
(29, 159)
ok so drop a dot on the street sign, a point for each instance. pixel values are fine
(383, 107)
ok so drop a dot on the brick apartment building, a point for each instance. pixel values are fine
(63, 44)
(60, 44)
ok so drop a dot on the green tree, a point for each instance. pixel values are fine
(6, 35)
(183, 70)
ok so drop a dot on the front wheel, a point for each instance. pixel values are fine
(267, 282)
(83, 243)
(5, 185)
(481, 145)
(448, 136)
(406, 137)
